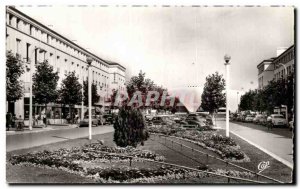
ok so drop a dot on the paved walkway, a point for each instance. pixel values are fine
(277, 142)
(31, 139)
(12, 131)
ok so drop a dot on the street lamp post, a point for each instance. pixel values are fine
(30, 88)
(89, 61)
(237, 93)
(82, 103)
(227, 59)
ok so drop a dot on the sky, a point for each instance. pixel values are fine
(177, 47)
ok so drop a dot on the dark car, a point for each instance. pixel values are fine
(108, 119)
(194, 121)
(158, 121)
(85, 121)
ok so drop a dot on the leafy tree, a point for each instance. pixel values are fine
(70, 91)
(130, 128)
(45, 83)
(144, 85)
(276, 93)
(95, 96)
(14, 69)
(213, 97)
(247, 101)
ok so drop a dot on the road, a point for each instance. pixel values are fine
(277, 142)
(28, 140)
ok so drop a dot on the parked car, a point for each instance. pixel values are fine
(277, 120)
(108, 119)
(157, 120)
(85, 121)
(260, 119)
(177, 119)
(249, 118)
(194, 121)
(148, 118)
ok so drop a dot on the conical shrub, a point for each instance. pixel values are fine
(130, 128)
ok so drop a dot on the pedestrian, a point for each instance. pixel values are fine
(76, 118)
(44, 119)
(8, 120)
(269, 123)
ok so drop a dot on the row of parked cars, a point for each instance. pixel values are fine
(189, 121)
(277, 120)
(97, 120)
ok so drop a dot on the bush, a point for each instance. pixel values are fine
(130, 128)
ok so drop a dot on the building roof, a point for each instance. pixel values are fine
(115, 63)
(270, 60)
(69, 41)
(282, 54)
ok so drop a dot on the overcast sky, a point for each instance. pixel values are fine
(177, 46)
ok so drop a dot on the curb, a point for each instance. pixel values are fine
(285, 162)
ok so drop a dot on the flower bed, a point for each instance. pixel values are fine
(69, 158)
(96, 161)
(226, 147)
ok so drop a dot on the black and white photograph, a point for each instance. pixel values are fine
(150, 94)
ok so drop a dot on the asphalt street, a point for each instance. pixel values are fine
(28, 140)
(278, 141)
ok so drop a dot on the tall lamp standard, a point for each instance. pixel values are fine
(82, 103)
(30, 88)
(227, 59)
(89, 60)
(237, 94)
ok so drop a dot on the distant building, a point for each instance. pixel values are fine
(284, 63)
(35, 42)
(274, 68)
(265, 72)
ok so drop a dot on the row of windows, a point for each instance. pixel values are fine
(51, 58)
(282, 73)
(288, 56)
(46, 38)
(41, 56)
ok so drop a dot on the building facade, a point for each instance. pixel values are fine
(35, 42)
(265, 72)
(276, 68)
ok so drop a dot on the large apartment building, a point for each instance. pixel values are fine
(35, 42)
(277, 67)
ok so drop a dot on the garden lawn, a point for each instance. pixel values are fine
(21, 174)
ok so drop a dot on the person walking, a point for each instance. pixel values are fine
(269, 123)
(44, 119)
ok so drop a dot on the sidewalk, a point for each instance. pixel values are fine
(12, 131)
(278, 142)
(32, 139)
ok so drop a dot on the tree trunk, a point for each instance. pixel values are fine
(46, 114)
(213, 119)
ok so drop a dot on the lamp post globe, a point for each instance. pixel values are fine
(89, 60)
(227, 58)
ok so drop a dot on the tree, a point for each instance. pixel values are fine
(95, 96)
(213, 97)
(130, 128)
(70, 91)
(248, 101)
(14, 69)
(45, 83)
